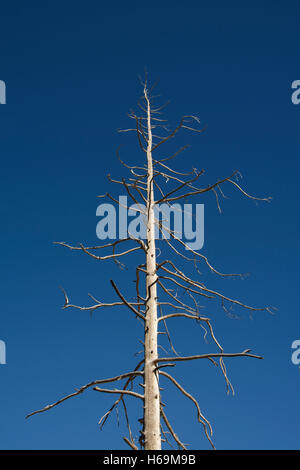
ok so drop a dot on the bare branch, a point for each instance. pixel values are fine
(114, 255)
(123, 392)
(130, 443)
(266, 199)
(186, 183)
(115, 404)
(172, 156)
(205, 423)
(204, 289)
(174, 435)
(173, 315)
(95, 306)
(196, 253)
(84, 387)
(174, 132)
(129, 305)
(245, 353)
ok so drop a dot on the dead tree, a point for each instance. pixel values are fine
(159, 285)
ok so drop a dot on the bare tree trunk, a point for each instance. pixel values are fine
(152, 400)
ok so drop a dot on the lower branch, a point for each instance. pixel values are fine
(84, 387)
(200, 416)
(102, 421)
(131, 444)
(174, 435)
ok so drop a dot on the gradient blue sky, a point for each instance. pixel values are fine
(71, 72)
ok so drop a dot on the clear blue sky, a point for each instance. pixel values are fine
(71, 73)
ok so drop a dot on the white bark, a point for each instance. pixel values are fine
(152, 399)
